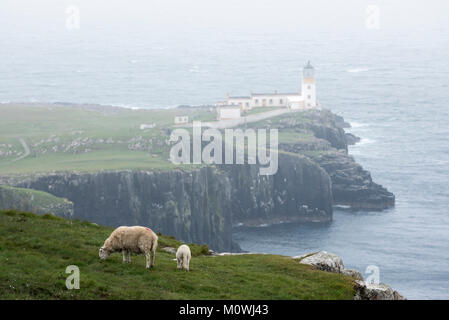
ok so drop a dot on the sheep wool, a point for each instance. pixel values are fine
(137, 240)
(183, 256)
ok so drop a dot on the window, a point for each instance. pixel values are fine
(309, 97)
(264, 102)
(271, 102)
(281, 101)
(308, 87)
(257, 101)
(247, 104)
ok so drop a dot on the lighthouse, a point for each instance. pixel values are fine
(308, 86)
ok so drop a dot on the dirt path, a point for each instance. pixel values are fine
(27, 150)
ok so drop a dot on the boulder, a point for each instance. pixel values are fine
(169, 250)
(324, 261)
(353, 274)
(368, 291)
(363, 291)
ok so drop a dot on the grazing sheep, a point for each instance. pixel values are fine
(183, 257)
(137, 240)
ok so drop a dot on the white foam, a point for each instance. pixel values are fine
(357, 70)
(364, 141)
(358, 125)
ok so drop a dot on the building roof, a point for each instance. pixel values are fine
(276, 94)
(239, 97)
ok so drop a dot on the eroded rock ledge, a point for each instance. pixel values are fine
(363, 291)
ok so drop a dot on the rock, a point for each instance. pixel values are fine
(363, 291)
(367, 291)
(351, 184)
(351, 139)
(353, 274)
(169, 250)
(324, 261)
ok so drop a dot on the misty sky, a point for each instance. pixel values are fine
(178, 15)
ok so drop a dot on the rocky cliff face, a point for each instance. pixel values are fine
(200, 205)
(300, 191)
(352, 185)
(328, 148)
(193, 205)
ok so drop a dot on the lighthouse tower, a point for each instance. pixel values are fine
(308, 86)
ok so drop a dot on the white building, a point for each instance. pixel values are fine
(303, 99)
(181, 119)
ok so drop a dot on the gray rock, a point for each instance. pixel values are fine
(367, 291)
(353, 274)
(363, 291)
(169, 250)
(324, 261)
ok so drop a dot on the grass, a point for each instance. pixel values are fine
(91, 139)
(261, 110)
(35, 251)
(57, 135)
(40, 198)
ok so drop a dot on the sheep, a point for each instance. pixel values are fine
(183, 257)
(137, 240)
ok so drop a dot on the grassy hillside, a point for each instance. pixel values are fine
(92, 138)
(35, 251)
(34, 201)
(86, 138)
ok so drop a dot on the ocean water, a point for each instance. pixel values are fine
(392, 86)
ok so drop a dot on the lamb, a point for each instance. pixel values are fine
(137, 240)
(183, 257)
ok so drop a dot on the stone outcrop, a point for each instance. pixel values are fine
(351, 184)
(367, 291)
(330, 262)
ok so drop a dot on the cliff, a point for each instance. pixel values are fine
(199, 205)
(328, 148)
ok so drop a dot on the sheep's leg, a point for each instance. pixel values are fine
(153, 253)
(147, 255)
(179, 263)
(185, 263)
(129, 256)
(124, 253)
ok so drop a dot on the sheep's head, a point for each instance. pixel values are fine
(104, 253)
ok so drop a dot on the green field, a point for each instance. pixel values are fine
(35, 251)
(94, 138)
(62, 138)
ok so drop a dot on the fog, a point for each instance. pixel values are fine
(45, 16)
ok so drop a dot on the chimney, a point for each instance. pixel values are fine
(276, 91)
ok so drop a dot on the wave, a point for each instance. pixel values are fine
(357, 70)
(364, 141)
(358, 125)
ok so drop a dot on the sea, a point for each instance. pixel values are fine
(391, 85)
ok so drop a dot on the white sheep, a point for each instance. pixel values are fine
(183, 257)
(137, 240)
